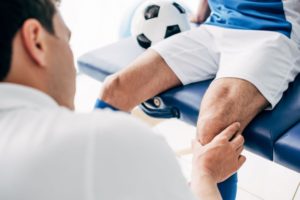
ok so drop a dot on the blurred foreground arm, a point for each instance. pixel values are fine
(203, 12)
(215, 162)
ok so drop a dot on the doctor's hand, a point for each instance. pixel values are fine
(216, 161)
(220, 158)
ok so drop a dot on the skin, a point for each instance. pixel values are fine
(230, 144)
(203, 12)
(45, 62)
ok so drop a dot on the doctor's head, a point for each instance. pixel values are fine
(34, 48)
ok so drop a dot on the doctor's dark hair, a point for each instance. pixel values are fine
(13, 14)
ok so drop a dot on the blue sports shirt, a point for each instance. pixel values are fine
(268, 15)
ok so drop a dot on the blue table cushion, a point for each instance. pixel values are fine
(287, 149)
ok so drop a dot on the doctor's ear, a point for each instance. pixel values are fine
(34, 38)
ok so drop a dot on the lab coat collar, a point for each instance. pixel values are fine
(16, 96)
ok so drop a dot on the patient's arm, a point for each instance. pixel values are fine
(202, 12)
(215, 162)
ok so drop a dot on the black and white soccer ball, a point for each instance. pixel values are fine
(156, 20)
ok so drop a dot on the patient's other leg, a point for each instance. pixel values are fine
(146, 77)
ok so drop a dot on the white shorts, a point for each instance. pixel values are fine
(268, 60)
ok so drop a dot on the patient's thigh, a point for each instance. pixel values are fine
(191, 55)
(179, 60)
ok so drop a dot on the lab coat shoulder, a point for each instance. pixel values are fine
(100, 123)
(98, 155)
(123, 154)
(130, 158)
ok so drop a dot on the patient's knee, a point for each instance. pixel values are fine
(227, 101)
(110, 87)
(209, 127)
(218, 111)
(222, 91)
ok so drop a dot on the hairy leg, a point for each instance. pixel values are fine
(146, 77)
(228, 100)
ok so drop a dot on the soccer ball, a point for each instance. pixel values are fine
(156, 20)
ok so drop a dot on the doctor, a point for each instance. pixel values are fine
(47, 151)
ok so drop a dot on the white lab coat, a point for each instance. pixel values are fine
(48, 152)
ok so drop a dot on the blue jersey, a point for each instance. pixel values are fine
(270, 15)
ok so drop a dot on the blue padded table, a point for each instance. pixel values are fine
(274, 135)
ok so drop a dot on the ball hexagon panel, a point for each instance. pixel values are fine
(172, 30)
(179, 8)
(143, 41)
(151, 12)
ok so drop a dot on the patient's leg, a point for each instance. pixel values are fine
(146, 77)
(228, 100)
(190, 54)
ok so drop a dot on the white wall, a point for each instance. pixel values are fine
(95, 23)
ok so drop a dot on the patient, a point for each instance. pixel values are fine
(249, 48)
(49, 152)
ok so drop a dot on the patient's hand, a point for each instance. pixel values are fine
(216, 161)
(202, 13)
